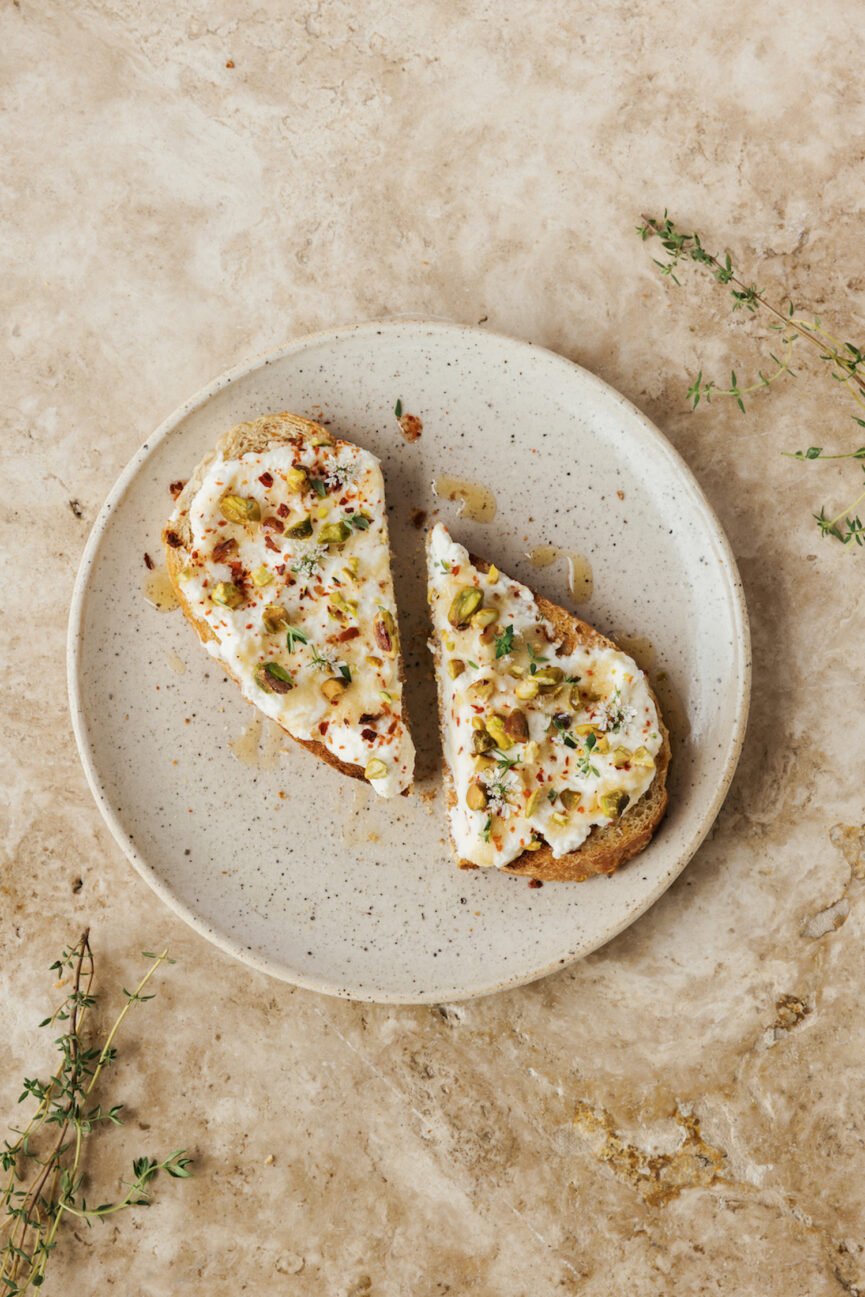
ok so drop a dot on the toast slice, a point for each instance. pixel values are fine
(278, 551)
(555, 751)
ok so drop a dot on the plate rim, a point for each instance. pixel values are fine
(74, 646)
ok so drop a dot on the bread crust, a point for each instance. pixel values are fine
(609, 846)
(254, 436)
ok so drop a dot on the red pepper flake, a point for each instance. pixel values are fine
(323, 727)
(283, 511)
(279, 569)
(270, 543)
(351, 633)
(535, 882)
(455, 569)
(411, 426)
(249, 625)
(175, 488)
(273, 524)
(148, 562)
(266, 479)
(369, 736)
(223, 549)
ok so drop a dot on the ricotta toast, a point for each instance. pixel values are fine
(556, 754)
(278, 550)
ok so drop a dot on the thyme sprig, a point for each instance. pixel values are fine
(42, 1165)
(846, 361)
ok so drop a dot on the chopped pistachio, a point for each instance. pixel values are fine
(334, 688)
(274, 618)
(621, 757)
(456, 667)
(532, 804)
(484, 618)
(495, 726)
(373, 661)
(334, 533)
(477, 722)
(296, 479)
(227, 594)
(482, 741)
(262, 576)
(558, 817)
(240, 508)
(493, 574)
(321, 438)
(602, 744)
(386, 633)
(322, 511)
(343, 605)
(375, 768)
(481, 691)
(383, 693)
(569, 798)
(466, 601)
(528, 688)
(476, 797)
(534, 845)
(300, 529)
(613, 804)
(643, 757)
(273, 678)
(548, 678)
(530, 752)
(517, 726)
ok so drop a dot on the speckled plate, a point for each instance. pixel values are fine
(270, 853)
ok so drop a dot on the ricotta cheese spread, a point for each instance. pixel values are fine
(289, 566)
(541, 745)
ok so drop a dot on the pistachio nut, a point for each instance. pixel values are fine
(301, 529)
(476, 797)
(613, 804)
(227, 594)
(466, 601)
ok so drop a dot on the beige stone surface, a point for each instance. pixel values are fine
(683, 1112)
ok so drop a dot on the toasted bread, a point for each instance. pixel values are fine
(335, 627)
(609, 844)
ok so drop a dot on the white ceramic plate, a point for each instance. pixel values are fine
(281, 861)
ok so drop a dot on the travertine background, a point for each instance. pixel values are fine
(185, 185)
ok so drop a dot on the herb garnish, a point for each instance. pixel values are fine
(345, 672)
(504, 762)
(535, 658)
(359, 521)
(294, 636)
(319, 486)
(584, 764)
(35, 1207)
(320, 661)
(311, 560)
(846, 361)
(474, 666)
(487, 829)
(505, 642)
(444, 564)
(397, 409)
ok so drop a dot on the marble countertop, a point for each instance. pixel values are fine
(682, 1112)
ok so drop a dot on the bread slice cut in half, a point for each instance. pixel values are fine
(556, 754)
(278, 551)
